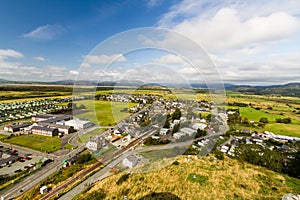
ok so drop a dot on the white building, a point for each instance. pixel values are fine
(79, 124)
(178, 135)
(96, 143)
(200, 126)
(164, 131)
(130, 161)
(43, 189)
(188, 131)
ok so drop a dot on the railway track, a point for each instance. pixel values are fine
(57, 190)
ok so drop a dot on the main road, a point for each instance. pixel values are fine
(34, 179)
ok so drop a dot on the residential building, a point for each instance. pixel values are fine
(130, 161)
(15, 127)
(164, 131)
(96, 143)
(188, 131)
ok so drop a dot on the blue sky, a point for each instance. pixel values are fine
(255, 42)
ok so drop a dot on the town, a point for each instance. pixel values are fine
(153, 124)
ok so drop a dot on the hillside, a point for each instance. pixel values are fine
(291, 89)
(197, 178)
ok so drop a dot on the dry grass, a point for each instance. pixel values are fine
(227, 179)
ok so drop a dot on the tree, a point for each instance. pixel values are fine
(245, 120)
(219, 155)
(200, 133)
(176, 114)
(264, 120)
(176, 128)
(167, 124)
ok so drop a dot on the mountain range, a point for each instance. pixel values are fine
(290, 89)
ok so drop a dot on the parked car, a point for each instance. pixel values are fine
(18, 170)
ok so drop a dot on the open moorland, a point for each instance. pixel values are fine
(196, 178)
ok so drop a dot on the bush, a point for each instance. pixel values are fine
(219, 155)
(122, 179)
(83, 158)
(175, 163)
(264, 120)
(287, 120)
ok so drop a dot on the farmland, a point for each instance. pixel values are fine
(36, 142)
(107, 113)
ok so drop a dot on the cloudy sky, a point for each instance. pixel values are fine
(253, 42)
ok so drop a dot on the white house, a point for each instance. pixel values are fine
(200, 126)
(96, 143)
(178, 135)
(43, 189)
(130, 161)
(164, 131)
(188, 131)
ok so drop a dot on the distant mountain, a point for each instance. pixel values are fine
(290, 89)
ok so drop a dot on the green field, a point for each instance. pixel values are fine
(108, 113)
(253, 114)
(85, 137)
(284, 129)
(36, 142)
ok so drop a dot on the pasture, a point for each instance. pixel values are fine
(105, 113)
(36, 142)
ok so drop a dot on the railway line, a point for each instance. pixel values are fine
(56, 191)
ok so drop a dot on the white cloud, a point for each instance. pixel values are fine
(10, 53)
(39, 58)
(103, 59)
(169, 59)
(46, 32)
(226, 30)
(240, 37)
(153, 3)
(73, 72)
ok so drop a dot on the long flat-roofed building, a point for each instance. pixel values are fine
(46, 131)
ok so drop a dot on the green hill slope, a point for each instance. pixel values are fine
(197, 178)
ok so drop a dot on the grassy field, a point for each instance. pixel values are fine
(201, 178)
(85, 137)
(107, 113)
(253, 114)
(284, 129)
(36, 142)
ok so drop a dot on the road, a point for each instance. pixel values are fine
(34, 179)
(110, 161)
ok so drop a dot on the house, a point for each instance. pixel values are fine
(200, 126)
(46, 131)
(43, 189)
(178, 135)
(188, 131)
(38, 118)
(15, 127)
(57, 119)
(176, 121)
(224, 149)
(130, 161)
(164, 131)
(115, 138)
(96, 143)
